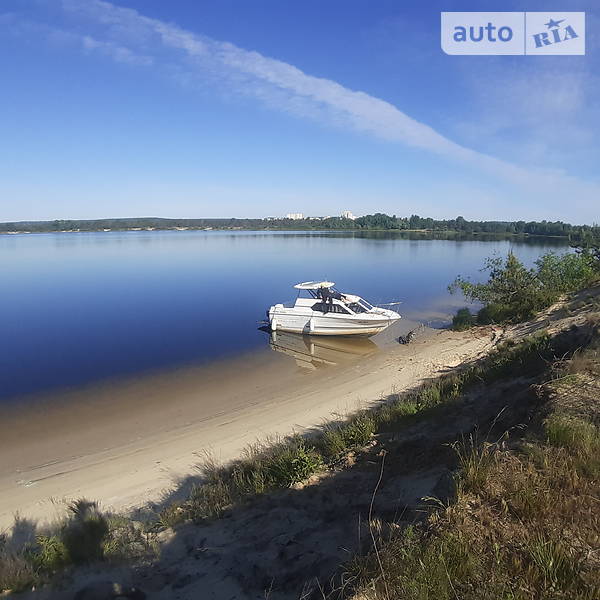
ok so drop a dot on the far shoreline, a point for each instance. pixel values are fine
(347, 222)
(428, 232)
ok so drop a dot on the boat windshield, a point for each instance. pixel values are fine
(361, 306)
(356, 308)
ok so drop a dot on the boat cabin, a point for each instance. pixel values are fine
(322, 296)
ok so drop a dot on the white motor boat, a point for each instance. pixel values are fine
(320, 309)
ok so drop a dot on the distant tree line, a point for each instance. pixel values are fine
(377, 221)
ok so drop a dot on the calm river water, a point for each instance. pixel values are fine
(78, 308)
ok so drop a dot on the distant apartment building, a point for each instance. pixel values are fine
(348, 215)
(295, 216)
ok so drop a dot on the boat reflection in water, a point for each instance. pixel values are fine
(314, 352)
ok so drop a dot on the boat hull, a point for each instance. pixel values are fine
(328, 324)
(353, 332)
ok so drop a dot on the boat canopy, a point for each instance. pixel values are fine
(314, 285)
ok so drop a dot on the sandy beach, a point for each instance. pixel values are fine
(125, 443)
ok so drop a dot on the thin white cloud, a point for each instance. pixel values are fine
(281, 84)
(86, 42)
(114, 51)
(275, 81)
(130, 37)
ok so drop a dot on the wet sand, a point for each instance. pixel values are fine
(125, 442)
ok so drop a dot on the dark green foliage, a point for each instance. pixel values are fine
(493, 313)
(516, 293)
(293, 465)
(340, 438)
(588, 243)
(511, 288)
(84, 533)
(462, 320)
(49, 554)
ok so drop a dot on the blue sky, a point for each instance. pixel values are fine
(252, 108)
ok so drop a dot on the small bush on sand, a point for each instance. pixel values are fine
(49, 554)
(340, 438)
(264, 468)
(293, 464)
(462, 320)
(85, 531)
(493, 313)
(391, 414)
(172, 514)
(268, 467)
(430, 396)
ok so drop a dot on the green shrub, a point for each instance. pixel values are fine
(394, 412)
(50, 554)
(463, 320)
(566, 273)
(493, 313)
(249, 478)
(571, 433)
(430, 396)
(515, 293)
(85, 531)
(295, 463)
(338, 439)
